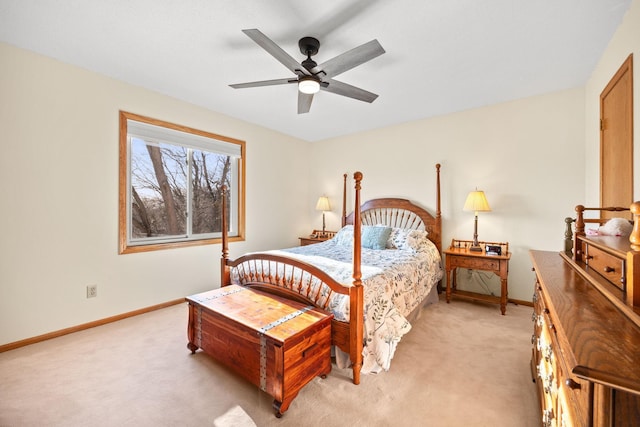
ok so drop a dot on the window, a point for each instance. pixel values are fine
(172, 180)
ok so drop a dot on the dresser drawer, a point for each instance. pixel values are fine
(574, 394)
(608, 266)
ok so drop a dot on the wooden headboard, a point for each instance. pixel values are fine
(401, 213)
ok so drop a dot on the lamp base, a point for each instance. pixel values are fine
(475, 246)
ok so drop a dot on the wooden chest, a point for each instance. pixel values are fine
(277, 344)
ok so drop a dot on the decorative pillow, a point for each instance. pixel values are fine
(416, 240)
(395, 238)
(344, 237)
(375, 237)
(398, 238)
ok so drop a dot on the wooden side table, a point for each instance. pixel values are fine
(316, 237)
(459, 256)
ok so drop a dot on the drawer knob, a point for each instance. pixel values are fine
(573, 385)
(608, 269)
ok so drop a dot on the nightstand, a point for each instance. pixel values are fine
(316, 237)
(459, 256)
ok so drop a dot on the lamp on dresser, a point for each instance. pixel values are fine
(476, 202)
(324, 206)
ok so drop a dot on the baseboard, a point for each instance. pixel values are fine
(61, 332)
(521, 302)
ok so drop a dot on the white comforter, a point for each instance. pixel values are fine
(395, 281)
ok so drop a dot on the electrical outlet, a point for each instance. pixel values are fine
(92, 291)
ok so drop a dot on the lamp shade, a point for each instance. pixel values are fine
(323, 204)
(477, 202)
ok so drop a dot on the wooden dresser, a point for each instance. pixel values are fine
(277, 344)
(586, 340)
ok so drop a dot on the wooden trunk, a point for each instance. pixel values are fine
(277, 344)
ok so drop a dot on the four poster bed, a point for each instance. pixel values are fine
(370, 291)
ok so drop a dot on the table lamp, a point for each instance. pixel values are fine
(324, 206)
(476, 202)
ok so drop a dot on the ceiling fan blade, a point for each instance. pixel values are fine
(350, 59)
(276, 51)
(344, 89)
(304, 102)
(339, 16)
(264, 83)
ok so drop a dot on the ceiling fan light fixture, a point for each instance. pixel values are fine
(308, 85)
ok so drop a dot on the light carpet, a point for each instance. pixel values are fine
(462, 364)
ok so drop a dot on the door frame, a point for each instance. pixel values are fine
(626, 67)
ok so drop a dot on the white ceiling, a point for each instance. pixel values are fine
(441, 56)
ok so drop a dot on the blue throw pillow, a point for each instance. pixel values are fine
(375, 237)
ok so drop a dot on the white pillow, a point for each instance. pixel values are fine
(344, 237)
(416, 240)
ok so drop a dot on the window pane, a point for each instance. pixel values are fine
(210, 171)
(171, 181)
(159, 190)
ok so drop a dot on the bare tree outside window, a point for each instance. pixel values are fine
(173, 189)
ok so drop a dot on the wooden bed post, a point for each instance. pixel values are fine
(438, 210)
(438, 222)
(344, 200)
(357, 295)
(225, 274)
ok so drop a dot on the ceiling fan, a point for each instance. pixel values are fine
(311, 77)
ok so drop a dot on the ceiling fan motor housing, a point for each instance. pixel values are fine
(309, 45)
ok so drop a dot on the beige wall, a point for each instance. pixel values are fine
(625, 41)
(59, 192)
(524, 154)
(58, 183)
